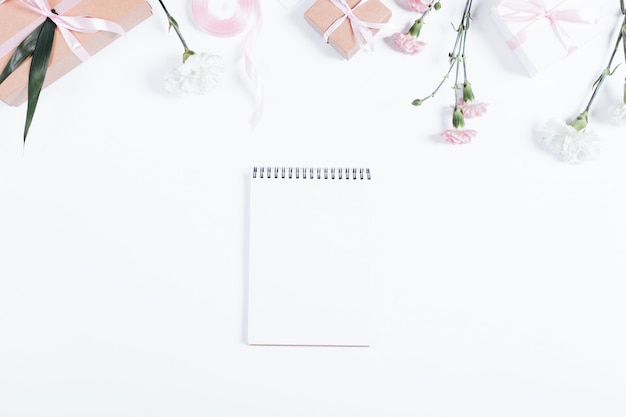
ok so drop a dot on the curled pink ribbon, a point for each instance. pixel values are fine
(65, 24)
(246, 11)
(362, 30)
(533, 11)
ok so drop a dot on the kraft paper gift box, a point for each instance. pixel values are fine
(543, 32)
(15, 16)
(324, 13)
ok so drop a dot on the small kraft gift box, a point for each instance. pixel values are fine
(103, 22)
(348, 25)
(543, 32)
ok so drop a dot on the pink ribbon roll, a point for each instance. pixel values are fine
(65, 24)
(224, 26)
(247, 12)
(533, 11)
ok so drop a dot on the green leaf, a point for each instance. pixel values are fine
(172, 23)
(38, 68)
(23, 51)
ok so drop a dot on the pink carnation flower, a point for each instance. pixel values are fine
(459, 136)
(472, 109)
(420, 6)
(408, 44)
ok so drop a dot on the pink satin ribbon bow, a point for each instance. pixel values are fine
(533, 11)
(65, 24)
(362, 30)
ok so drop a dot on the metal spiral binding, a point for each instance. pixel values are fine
(312, 173)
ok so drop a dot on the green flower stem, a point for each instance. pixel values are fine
(624, 42)
(457, 56)
(463, 40)
(419, 101)
(456, 80)
(467, 17)
(607, 71)
(174, 24)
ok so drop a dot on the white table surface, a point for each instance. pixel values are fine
(501, 271)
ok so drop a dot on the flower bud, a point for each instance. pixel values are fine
(416, 28)
(581, 121)
(437, 5)
(468, 94)
(624, 90)
(458, 121)
(417, 102)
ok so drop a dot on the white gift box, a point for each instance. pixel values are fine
(542, 32)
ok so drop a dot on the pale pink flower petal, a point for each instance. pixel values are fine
(459, 136)
(420, 6)
(407, 43)
(472, 109)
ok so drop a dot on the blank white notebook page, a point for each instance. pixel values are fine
(309, 278)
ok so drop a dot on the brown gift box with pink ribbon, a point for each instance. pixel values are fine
(323, 14)
(15, 16)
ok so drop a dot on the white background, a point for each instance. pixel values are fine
(500, 269)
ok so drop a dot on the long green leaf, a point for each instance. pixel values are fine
(23, 51)
(38, 68)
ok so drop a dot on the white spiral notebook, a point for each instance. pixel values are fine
(309, 282)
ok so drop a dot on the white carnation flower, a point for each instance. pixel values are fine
(571, 145)
(619, 114)
(199, 74)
